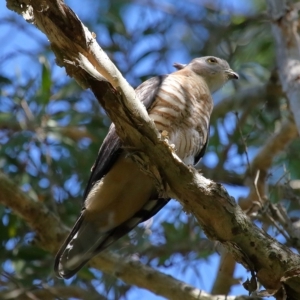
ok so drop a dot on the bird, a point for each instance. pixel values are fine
(119, 195)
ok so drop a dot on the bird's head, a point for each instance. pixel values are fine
(215, 71)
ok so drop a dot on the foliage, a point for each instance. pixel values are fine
(51, 130)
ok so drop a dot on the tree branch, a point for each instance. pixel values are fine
(225, 277)
(248, 98)
(50, 293)
(263, 161)
(285, 21)
(72, 132)
(50, 234)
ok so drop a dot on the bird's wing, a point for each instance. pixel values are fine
(85, 239)
(110, 150)
(201, 153)
(111, 147)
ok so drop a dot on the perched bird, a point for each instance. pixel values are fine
(119, 195)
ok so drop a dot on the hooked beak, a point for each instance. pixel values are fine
(231, 74)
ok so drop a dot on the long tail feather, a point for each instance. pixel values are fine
(86, 240)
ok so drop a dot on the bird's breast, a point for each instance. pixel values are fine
(182, 107)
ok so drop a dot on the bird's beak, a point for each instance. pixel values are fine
(231, 74)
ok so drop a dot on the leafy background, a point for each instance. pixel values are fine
(51, 130)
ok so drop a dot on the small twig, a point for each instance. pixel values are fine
(27, 110)
(274, 223)
(256, 188)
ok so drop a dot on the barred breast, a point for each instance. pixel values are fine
(183, 107)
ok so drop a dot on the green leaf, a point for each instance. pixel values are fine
(44, 92)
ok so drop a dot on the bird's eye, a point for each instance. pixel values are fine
(211, 60)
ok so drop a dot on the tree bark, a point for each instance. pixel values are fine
(284, 15)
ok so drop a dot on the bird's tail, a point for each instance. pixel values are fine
(78, 248)
(84, 242)
(86, 239)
